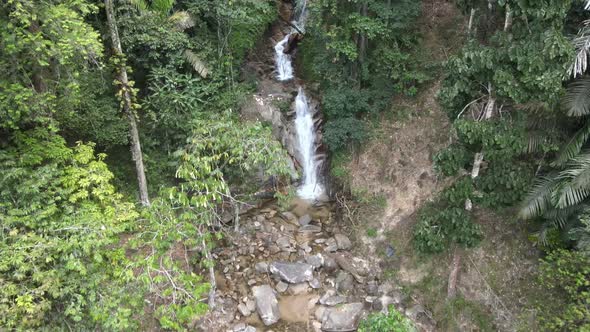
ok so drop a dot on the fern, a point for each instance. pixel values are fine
(198, 65)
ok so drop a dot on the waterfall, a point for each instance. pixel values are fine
(284, 65)
(306, 139)
(283, 60)
(310, 188)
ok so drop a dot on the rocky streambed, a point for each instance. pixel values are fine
(295, 270)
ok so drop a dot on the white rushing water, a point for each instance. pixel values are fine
(306, 139)
(283, 60)
(310, 188)
(284, 65)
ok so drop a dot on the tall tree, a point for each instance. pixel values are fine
(128, 102)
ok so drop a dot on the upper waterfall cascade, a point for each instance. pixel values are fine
(311, 188)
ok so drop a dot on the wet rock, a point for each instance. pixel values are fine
(342, 241)
(266, 304)
(281, 287)
(342, 318)
(243, 309)
(344, 282)
(359, 268)
(305, 220)
(298, 289)
(331, 245)
(292, 273)
(261, 267)
(316, 260)
(310, 229)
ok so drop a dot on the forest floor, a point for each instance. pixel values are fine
(395, 170)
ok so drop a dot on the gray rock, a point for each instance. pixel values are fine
(359, 268)
(251, 305)
(288, 216)
(243, 309)
(266, 304)
(372, 287)
(261, 267)
(298, 289)
(316, 260)
(342, 241)
(342, 318)
(305, 220)
(332, 300)
(281, 287)
(284, 242)
(330, 264)
(389, 251)
(344, 282)
(315, 283)
(249, 329)
(239, 327)
(292, 273)
(251, 282)
(319, 313)
(331, 245)
(310, 229)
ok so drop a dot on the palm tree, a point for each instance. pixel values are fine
(559, 195)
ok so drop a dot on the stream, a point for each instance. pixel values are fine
(293, 268)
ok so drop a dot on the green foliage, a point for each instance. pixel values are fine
(566, 274)
(393, 321)
(438, 227)
(451, 160)
(343, 132)
(45, 46)
(59, 215)
(456, 194)
(361, 53)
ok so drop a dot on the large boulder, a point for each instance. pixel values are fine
(358, 267)
(342, 318)
(267, 305)
(293, 273)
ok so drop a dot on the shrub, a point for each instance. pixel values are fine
(394, 321)
(567, 275)
(438, 228)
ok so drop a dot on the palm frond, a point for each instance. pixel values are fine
(199, 66)
(538, 201)
(182, 20)
(587, 7)
(574, 146)
(574, 183)
(577, 99)
(582, 46)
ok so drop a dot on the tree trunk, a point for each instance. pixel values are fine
(508, 20)
(471, 19)
(127, 98)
